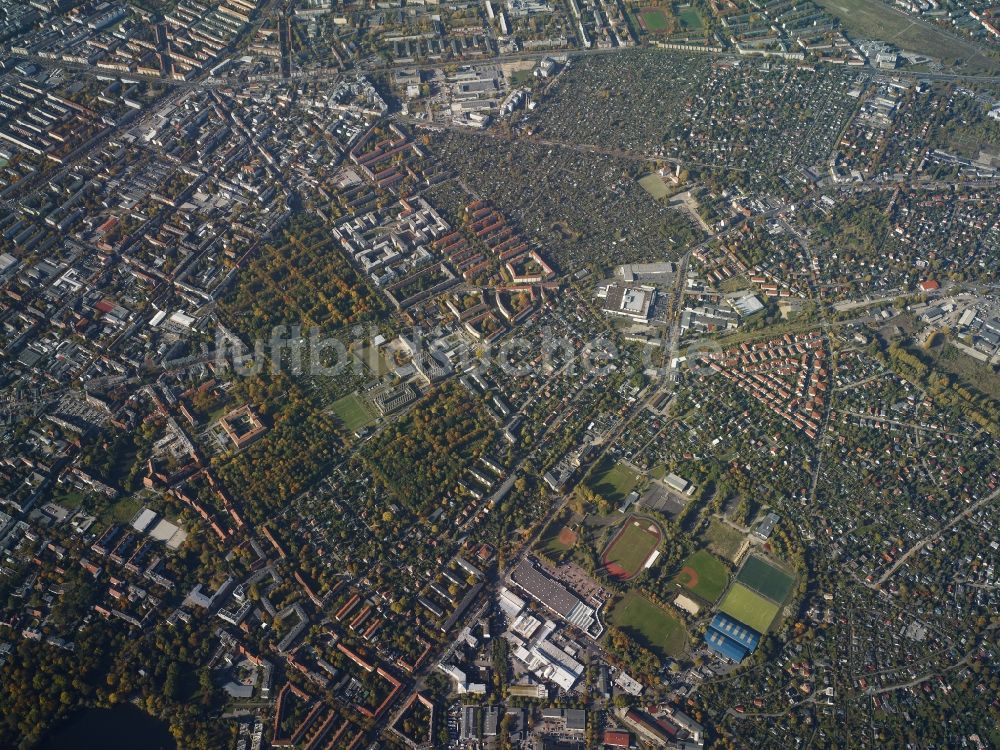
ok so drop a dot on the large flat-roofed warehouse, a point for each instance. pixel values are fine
(553, 595)
(633, 302)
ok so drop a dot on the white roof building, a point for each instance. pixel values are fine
(143, 519)
(510, 603)
(462, 684)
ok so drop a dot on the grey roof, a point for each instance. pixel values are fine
(576, 718)
(546, 590)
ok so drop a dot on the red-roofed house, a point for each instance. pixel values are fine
(617, 738)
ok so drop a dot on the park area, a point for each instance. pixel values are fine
(612, 481)
(649, 625)
(765, 579)
(749, 607)
(703, 575)
(353, 412)
(630, 548)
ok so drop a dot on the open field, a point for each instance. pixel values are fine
(871, 19)
(704, 576)
(120, 511)
(766, 579)
(651, 626)
(631, 547)
(734, 284)
(520, 77)
(749, 607)
(353, 412)
(655, 186)
(971, 372)
(723, 540)
(373, 360)
(612, 480)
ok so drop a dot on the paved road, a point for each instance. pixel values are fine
(329, 73)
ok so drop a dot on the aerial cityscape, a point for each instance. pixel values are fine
(500, 374)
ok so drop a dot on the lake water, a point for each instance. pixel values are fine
(123, 727)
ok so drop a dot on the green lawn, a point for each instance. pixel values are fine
(353, 412)
(612, 481)
(711, 576)
(765, 578)
(749, 607)
(723, 540)
(632, 546)
(121, 511)
(649, 625)
(70, 500)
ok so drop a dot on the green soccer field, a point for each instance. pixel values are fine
(353, 412)
(765, 578)
(690, 19)
(654, 20)
(749, 607)
(704, 575)
(651, 626)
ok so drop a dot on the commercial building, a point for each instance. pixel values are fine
(462, 684)
(553, 595)
(548, 661)
(632, 302)
(572, 720)
(649, 728)
(764, 529)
